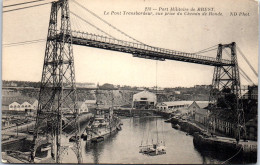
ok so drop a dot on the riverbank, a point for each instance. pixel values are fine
(204, 141)
(20, 138)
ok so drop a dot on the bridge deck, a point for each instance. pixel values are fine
(141, 50)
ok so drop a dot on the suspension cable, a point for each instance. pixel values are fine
(205, 49)
(243, 73)
(249, 64)
(107, 22)
(22, 3)
(232, 156)
(246, 76)
(23, 43)
(21, 8)
(91, 24)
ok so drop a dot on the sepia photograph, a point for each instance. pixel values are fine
(129, 82)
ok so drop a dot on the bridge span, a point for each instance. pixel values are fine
(138, 49)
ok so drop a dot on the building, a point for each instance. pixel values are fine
(91, 103)
(251, 129)
(253, 92)
(20, 103)
(10, 93)
(223, 121)
(202, 86)
(196, 105)
(201, 116)
(86, 85)
(83, 107)
(250, 92)
(144, 100)
(172, 106)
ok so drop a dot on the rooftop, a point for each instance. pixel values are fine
(19, 99)
(174, 103)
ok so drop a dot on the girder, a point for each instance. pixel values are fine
(226, 83)
(58, 97)
(139, 50)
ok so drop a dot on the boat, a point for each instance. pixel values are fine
(168, 120)
(101, 125)
(97, 139)
(154, 148)
(176, 126)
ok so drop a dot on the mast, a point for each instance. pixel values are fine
(111, 111)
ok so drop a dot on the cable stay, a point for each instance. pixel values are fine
(91, 24)
(249, 64)
(243, 73)
(23, 43)
(17, 4)
(232, 156)
(120, 31)
(246, 76)
(212, 47)
(207, 51)
(128, 43)
(21, 8)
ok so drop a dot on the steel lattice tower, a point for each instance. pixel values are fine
(227, 78)
(57, 113)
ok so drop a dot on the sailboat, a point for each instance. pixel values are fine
(153, 149)
(157, 148)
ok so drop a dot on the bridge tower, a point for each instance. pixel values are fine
(57, 113)
(226, 82)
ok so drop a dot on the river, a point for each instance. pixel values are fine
(123, 147)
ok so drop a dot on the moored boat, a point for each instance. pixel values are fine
(101, 127)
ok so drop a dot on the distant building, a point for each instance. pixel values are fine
(83, 107)
(20, 103)
(144, 100)
(196, 105)
(203, 86)
(91, 103)
(253, 92)
(173, 105)
(156, 88)
(201, 116)
(251, 129)
(10, 93)
(250, 92)
(86, 85)
(140, 88)
(223, 121)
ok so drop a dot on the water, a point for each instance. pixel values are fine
(123, 147)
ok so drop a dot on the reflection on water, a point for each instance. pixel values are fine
(123, 147)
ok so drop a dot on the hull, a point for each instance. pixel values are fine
(100, 129)
(246, 150)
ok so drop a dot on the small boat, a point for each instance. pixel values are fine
(118, 127)
(153, 150)
(176, 126)
(74, 138)
(136, 116)
(168, 120)
(98, 139)
(46, 148)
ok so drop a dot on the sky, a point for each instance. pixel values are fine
(187, 33)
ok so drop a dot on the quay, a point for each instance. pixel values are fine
(203, 140)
